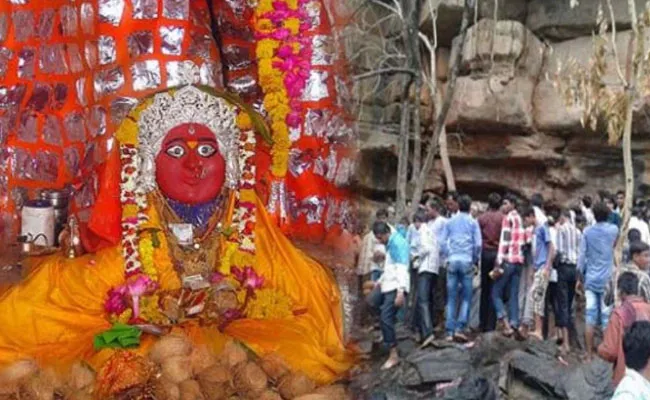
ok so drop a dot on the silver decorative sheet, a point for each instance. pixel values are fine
(96, 119)
(344, 172)
(5, 56)
(139, 43)
(11, 96)
(145, 75)
(52, 59)
(69, 22)
(75, 127)
(145, 9)
(176, 9)
(76, 62)
(26, 63)
(331, 165)
(40, 97)
(312, 207)
(316, 122)
(52, 130)
(4, 25)
(316, 88)
(322, 50)
(4, 133)
(22, 165)
(47, 166)
(236, 57)
(87, 17)
(172, 39)
(209, 75)
(278, 199)
(23, 23)
(107, 50)
(71, 160)
(332, 215)
(19, 2)
(180, 73)
(60, 95)
(90, 51)
(108, 81)
(300, 161)
(27, 127)
(120, 108)
(45, 23)
(237, 6)
(110, 11)
(294, 134)
(80, 86)
(200, 45)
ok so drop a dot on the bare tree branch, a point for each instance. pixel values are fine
(383, 71)
(619, 71)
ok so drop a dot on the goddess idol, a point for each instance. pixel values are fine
(180, 242)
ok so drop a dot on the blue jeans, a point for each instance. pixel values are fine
(426, 283)
(384, 305)
(458, 273)
(375, 275)
(596, 312)
(510, 279)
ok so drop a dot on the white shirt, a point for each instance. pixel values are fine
(589, 216)
(540, 217)
(641, 226)
(633, 386)
(428, 252)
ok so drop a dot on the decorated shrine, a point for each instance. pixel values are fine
(156, 157)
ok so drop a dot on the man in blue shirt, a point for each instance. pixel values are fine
(542, 262)
(460, 242)
(390, 290)
(595, 264)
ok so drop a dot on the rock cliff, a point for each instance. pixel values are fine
(509, 127)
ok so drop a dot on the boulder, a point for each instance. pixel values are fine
(556, 20)
(515, 10)
(543, 375)
(494, 103)
(501, 47)
(430, 367)
(590, 381)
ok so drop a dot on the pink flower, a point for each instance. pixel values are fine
(281, 34)
(238, 274)
(253, 280)
(116, 302)
(285, 51)
(293, 119)
(138, 286)
(280, 6)
(217, 277)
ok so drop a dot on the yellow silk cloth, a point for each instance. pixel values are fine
(53, 315)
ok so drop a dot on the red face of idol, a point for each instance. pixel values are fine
(189, 167)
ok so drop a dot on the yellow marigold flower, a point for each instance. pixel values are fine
(266, 47)
(128, 132)
(124, 317)
(244, 121)
(247, 196)
(293, 24)
(292, 4)
(264, 25)
(129, 210)
(150, 310)
(263, 7)
(269, 304)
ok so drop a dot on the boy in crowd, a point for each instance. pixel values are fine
(427, 266)
(543, 262)
(568, 243)
(633, 308)
(636, 347)
(490, 223)
(509, 265)
(460, 242)
(639, 262)
(595, 263)
(390, 291)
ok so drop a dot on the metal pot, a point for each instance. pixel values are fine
(58, 198)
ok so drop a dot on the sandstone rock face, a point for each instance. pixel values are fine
(509, 126)
(556, 20)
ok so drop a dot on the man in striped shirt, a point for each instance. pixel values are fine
(510, 262)
(568, 244)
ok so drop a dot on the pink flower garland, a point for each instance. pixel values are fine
(296, 63)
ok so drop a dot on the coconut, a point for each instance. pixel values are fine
(249, 379)
(170, 346)
(225, 300)
(81, 376)
(233, 354)
(201, 359)
(269, 395)
(18, 371)
(274, 366)
(79, 395)
(176, 369)
(312, 396)
(333, 392)
(190, 390)
(294, 385)
(216, 382)
(39, 387)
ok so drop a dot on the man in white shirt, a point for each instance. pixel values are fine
(373, 252)
(636, 347)
(637, 223)
(587, 212)
(426, 261)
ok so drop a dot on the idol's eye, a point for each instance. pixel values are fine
(176, 151)
(206, 150)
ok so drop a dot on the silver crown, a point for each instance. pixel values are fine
(187, 105)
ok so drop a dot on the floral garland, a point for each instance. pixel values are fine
(284, 54)
(143, 249)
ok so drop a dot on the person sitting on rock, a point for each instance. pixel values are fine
(633, 308)
(389, 294)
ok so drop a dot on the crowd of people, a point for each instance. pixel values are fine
(512, 267)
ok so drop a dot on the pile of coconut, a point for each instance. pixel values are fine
(174, 369)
